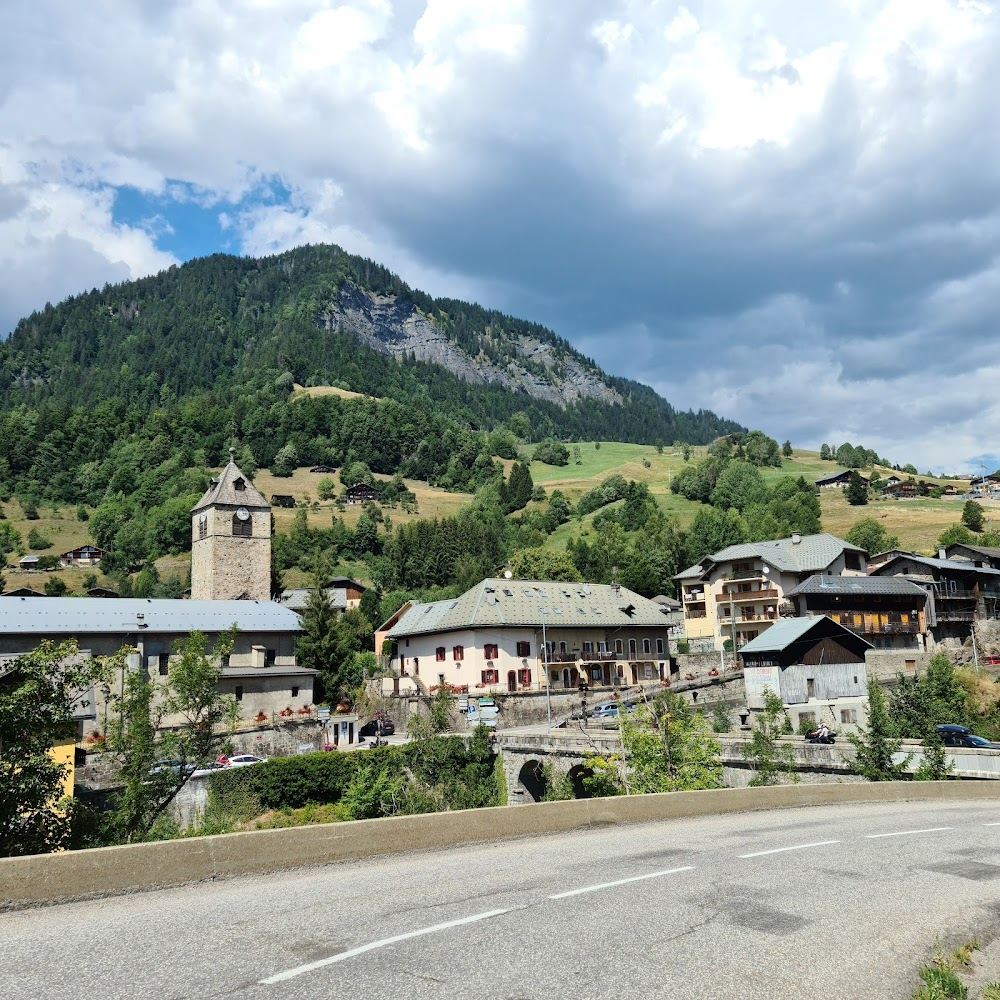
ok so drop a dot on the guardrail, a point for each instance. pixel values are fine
(109, 871)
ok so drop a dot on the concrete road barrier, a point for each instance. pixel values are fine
(108, 871)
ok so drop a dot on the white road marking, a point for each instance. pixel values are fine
(991, 824)
(905, 833)
(621, 881)
(797, 847)
(385, 942)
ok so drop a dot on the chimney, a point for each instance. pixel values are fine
(796, 538)
(942, 554)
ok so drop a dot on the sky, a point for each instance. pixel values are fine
(786, 212)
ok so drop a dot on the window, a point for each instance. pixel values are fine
(416, 665)
(659, 646)
(164, 664)
(242, 529)
(645, 646)
(225, 659)
(239, 692)
(439, 654)
(602, 647)
(852, 560)
(203, 526)
(848, 715)
(270, 655)
(295, 690)
(524, 649)
(562, 647)
(618, 645)
(491, 652)
(588, 648)
(810, 688)
(806, 717)
(524, 676)
(239, 484)
(491, 676)
(457, 653)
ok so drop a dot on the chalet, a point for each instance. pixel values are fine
(985, 485)
(362, 493)
(282, 500)
(891, 481)
(888, 612)
(901, 490)
(736, 594)
(341, 592)
(978, 555)
(102, 592)
(23, 592)
(328, 469)
(958, 590)
(82, 555)
(838, 480)
(28, 563)
(522, 635)
(815, 665)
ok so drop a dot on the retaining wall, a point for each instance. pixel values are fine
(106, 871)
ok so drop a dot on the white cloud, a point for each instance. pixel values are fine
(760, 201)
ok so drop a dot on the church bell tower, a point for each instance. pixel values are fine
(231, 540)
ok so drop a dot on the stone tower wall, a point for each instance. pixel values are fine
(224, 567)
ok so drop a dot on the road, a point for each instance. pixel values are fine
(841, 901)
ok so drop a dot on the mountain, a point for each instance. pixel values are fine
(224, 320)
(182, 364)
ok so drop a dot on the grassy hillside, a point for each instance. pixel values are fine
(917, 522)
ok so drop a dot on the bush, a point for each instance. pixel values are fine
(38, 540)
(551, 453)
(683, 646)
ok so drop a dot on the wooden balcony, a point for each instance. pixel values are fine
(738, 597)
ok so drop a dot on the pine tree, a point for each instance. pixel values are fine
(856, 492)
(877, 743)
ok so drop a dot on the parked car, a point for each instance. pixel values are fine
(953, 735)
(174, 766)
(242, 759)
(991, 661)
(376, 727)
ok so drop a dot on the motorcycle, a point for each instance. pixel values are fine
(818, 736)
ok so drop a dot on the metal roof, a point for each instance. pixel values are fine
(298, 600)
(223, 490)
(533, 603)
(68, 616)
(786, 631)
(855, 585)
(958, 565)
(809, 553)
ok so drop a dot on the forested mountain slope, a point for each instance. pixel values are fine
(227, 326)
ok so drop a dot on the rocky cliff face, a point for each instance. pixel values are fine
(395, 328)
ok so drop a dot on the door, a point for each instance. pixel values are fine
(565, 678)
(511, 680)
(631, 649)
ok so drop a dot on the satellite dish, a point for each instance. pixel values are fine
(764, 570)
(507, 574)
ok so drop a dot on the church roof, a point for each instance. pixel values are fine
(224, 490)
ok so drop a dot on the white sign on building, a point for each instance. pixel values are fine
(757, 680)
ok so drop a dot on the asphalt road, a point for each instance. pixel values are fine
(842, 901)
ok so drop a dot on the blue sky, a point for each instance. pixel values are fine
(793, 221)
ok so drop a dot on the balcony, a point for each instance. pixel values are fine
(954, 595)
(737, 597)
(764, 616)
(948, 615)
(563, 657)
(697, 596)
(881, 628)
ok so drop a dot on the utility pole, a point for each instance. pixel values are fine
(545, 661)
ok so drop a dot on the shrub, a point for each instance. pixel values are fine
(551, 453)
(38, 540)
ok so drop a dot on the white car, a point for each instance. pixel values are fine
(242, 759)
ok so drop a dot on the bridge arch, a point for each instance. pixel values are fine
(531, 781)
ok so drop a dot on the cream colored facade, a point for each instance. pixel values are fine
(515, 658)
(738, 596)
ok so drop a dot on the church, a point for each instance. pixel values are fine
(230, 585)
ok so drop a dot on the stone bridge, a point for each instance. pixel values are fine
(527, 752)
